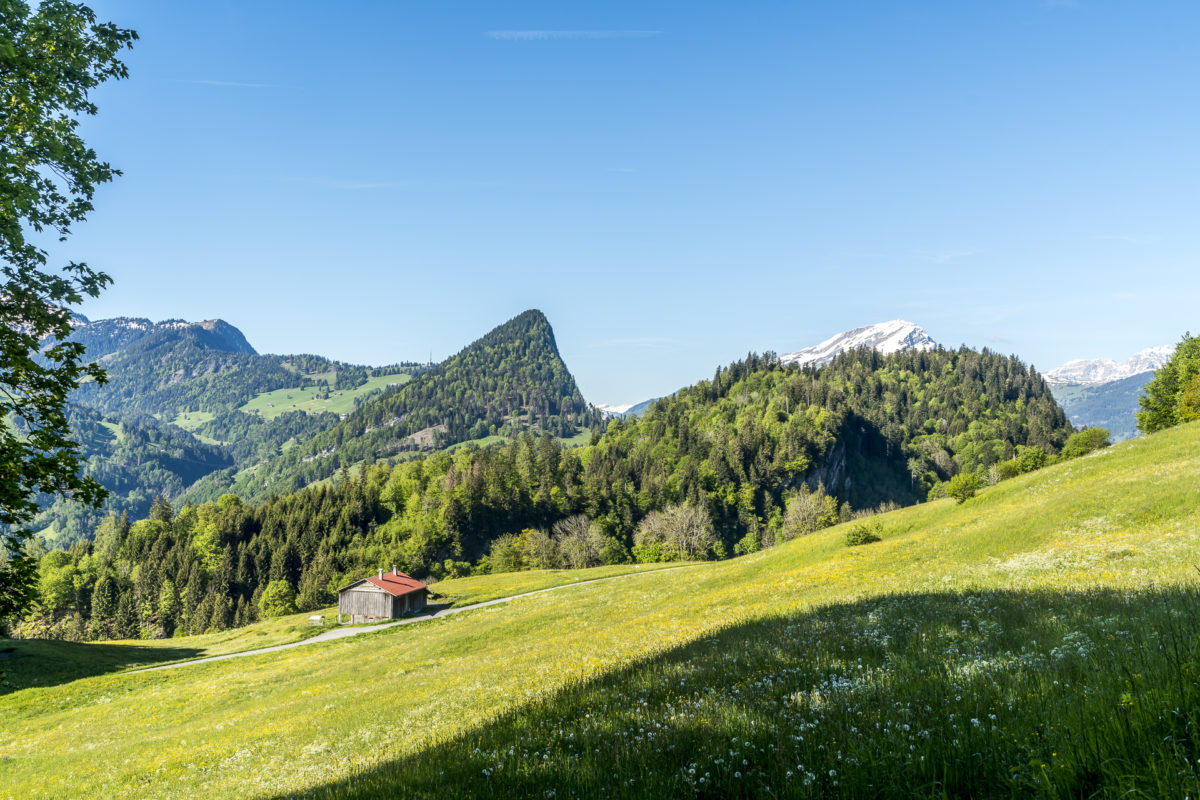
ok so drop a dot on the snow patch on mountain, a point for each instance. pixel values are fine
(1094, 371)
(886, 337)
(105, 336)
(615, 408)
(624, 410)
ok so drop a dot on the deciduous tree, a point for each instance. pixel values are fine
(51, 59)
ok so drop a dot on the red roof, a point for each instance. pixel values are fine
(397, 583)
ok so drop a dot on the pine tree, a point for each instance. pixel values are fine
(125, 625)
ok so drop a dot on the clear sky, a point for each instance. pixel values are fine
(672, 183)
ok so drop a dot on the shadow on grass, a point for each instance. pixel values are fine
(30, 663)
(985, 694)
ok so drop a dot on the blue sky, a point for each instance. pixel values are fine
(673, 184)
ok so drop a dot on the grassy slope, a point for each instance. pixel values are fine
(465, 591)
(39, 662)
(271, 404)
(949, 603)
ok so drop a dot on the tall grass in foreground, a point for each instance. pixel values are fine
(807, 658)
(983, 694)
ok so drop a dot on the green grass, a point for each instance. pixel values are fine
(481, 588)
(578, 440)
(1040, 640)
(271, 404)
(40, 662)
(191, 420)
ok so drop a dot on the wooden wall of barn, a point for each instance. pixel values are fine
(408, 603)
(363, 603)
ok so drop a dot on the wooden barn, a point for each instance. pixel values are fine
(389, 595)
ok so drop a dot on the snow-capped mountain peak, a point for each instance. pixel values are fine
(1105, 370)
(886, 337)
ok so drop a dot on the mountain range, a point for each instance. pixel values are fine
(1103, 393)
(1092, 371)
(192, 410)
(106, 336)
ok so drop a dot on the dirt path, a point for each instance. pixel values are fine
(433, 613)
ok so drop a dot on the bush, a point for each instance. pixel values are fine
(962, 487)
(808, 511)
(1030, 458)
(864, 533)
(1085, 441)
(1007, 469)
(684, 532)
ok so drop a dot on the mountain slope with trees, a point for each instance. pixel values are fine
(760, 454)
(510, 380)
(166, 372)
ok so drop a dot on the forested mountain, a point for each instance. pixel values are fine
(746, 454)
(510, 380)
(110, 335)
(170, 367)
(199, 374)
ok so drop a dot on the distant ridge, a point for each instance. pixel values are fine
(886, 337)
(105, 336)
(1100, 392)
(1092, 371)
(509, 380)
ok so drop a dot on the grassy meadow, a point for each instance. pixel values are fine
(1041, 640)
(340, 401)
(481, 588)
(42, 662)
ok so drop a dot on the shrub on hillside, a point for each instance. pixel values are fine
(582, 543)
(1085, 441)
(1006, 469)
(809, 511)
(1030, 458)
(676, 533)
(962, 487)
(864, 532)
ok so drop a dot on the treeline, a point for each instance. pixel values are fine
(757, 455)
(512, 379)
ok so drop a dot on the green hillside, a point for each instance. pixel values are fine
(187, 399)
(511, 379)
(321, 399)
(741, 451)
(1040, 639)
